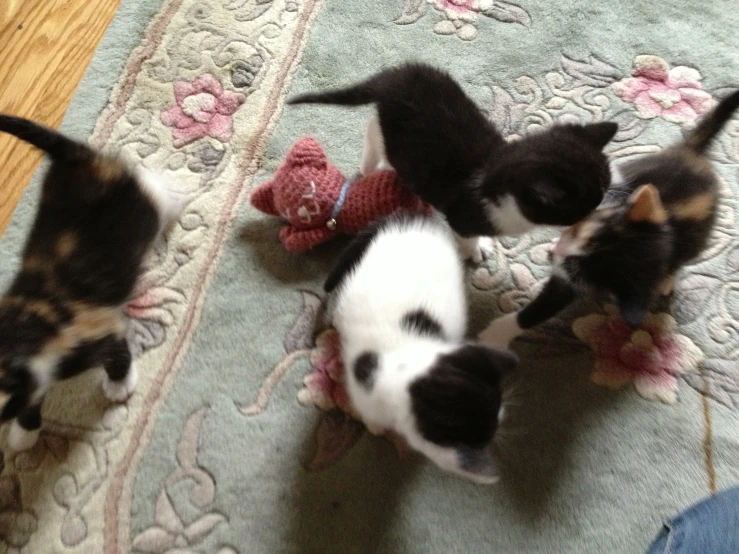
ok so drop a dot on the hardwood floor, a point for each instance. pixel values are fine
(45, 47)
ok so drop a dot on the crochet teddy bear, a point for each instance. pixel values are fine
(317, 201)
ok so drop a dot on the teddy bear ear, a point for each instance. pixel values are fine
(263, 199)
(307, 151)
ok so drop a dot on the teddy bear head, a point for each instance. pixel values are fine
(305, 188)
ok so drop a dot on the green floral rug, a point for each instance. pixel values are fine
(235, 441)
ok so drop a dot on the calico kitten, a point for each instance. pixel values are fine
(657, 217)
(401, 314)
(446, 151)
(62, 313)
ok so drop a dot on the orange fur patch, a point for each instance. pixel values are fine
(34, 263)
(646, 205)
(66, 244)
(39, 307)
(108, 169)
(93, 322)
(696, 208)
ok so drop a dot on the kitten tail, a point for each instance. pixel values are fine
(362, 93)
(352, 96)
(56, 145)
(700, 138)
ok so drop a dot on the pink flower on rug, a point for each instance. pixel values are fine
(203, 109)
(464, 10)
(652, 357)
(324, 387)
(675, 94)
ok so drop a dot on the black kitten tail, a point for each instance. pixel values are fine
(709, 127)
(56, 145)
(355, 95)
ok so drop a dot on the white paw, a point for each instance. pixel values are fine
(20, 439)
(501, 331)
(119, 391)
(476, 249)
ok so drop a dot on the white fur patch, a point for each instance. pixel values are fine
(20, 439)
(476, 249)
(501, 331)
(42, 368)
(617, 177)
(119, 391)
(373, 152)
(507, 216)
(168, 201)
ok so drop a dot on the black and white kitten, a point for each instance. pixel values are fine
(63, 311)
(657, 217)
(446, 151)
(401, 315)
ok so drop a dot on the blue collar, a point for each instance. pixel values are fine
(331, 223)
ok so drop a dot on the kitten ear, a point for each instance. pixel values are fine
(478, 464)
(601, 133)
(645, 205)
(262, 198)
(633, 307)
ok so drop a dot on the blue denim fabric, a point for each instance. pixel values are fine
(709, 527)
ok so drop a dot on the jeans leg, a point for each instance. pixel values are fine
(710, 527)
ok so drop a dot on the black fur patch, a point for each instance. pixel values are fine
(364, 368)
(556, 295)
(421, 322)
(458, 402)
(445, 150)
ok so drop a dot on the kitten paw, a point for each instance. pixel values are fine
(20, 439)
(119, 391)
(501, 331)
(476, 249)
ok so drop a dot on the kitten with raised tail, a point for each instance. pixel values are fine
(401, 315)
(63, 311)
(656, 218)
(447, 152)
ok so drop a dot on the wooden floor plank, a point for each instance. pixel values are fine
(45, 47)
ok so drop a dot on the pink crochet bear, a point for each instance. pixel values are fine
(317, 200)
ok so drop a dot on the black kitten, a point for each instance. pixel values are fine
(656, 218)
(62, 313)
(446, 151)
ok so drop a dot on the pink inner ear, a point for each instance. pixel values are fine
(262, 198)
(646, 205)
